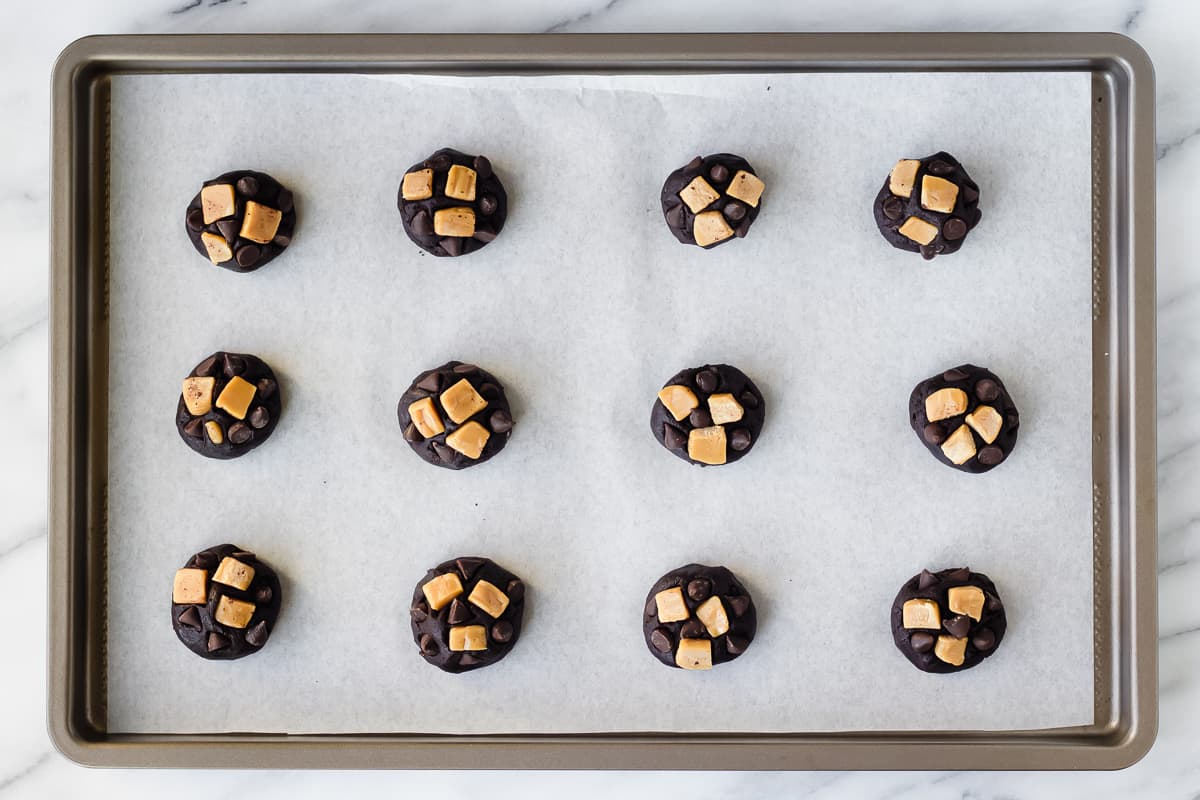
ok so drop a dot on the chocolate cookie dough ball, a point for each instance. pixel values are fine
(948, 621)
(455, 416)
(712, 199)
(451, 203)
(708, 415)
(466, 613)
(927, 205)
(697, 616)
(230, 405)
(224, 603)
(241, 220)
(965, 417)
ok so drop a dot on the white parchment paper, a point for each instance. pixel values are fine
(583, 307)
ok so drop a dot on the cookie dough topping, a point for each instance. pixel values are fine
(927, 205)
(241, 220)
(711, 199)
(455, 416)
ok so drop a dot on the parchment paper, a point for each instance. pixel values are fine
(583, 307)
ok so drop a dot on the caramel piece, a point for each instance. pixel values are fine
(216, 434)
(938, 194)
(217, 202)
(460, 183)
(922, 613)
(713, 615)
(904, 174)
(237, 396)
(469, 439)
(670, 605)
(707, 445)
(966, 600)
(232, 572)
(468, 637)
(191, 586)
(489, 598)
(986, 421)
(952, 651)
(960, 446)
(198, 395)
(441, 590)
(710, 227)
(417, 185)
(694, 654)
(461, 401)
(679, 400)
(723, 408)
(698, 195)
(457, 221)
(746, 187)
(425, 417)
(260, 223)
(918, 230)
(217, 248)
(945, 403)
(234, 613)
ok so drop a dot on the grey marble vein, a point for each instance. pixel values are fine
(562, 26)
(12, 779)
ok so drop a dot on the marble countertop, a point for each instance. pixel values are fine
(33, 35)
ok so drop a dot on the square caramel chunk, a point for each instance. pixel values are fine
(723, 408)
(425, 417)
(198, 395)
(460, 183)
(945, 403)
(489, 598)
(232, 572)
(217, 202)
(966, 600)
(904, 175)
(986, 421)
(461, 401)
(441, 590)
(698, 194)
(694, 654)
(959, 447)
(468, 637)
(417, 185)
(746, 187)
(469, 440)
(710, 227)
(707, 445)
(260, 223)
(217, 248)
(670, 605)
(216, 434)
(237, 396)
(191, 586)
(457, 221)
(923, 614)
(952, 651)
(679, 400)
(918, 230)
(712, 613)
(234, 613)
(938, 194)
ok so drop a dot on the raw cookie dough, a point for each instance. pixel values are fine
(224, 603)
(241, 220)
(466, 613)
(697, 616)
(965, 417)
(455, 416)
(712, 199)
(229, 405)
(927, 205)
(708, 415)
(948, 621)
(451, 203)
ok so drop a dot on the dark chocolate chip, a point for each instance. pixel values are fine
(502, 630)
(748, 399)
(699, 589)
(282, 239)
(266, 388)
(984, 639)
(970, 194)
(738, 605)
(191, 618)
(217, 641)
(453, 245)
(673, 438)
(430, 382)
(927, 252)
(692, 629)
(444, 452)
(247, 185)
(195, 219)
(240, 433)
(194, 429)
(660, 639)
(926, 579)
(990, 456)
(922, 642)
(205, 560)
(707, 380)
(893, 207)
(422, 224)
(242, 555)
(469, 660)
(719, 173)
(234, 365)
(488, 205)
(263, 595)
(991, 603)
(954, 229)
(484, 235)
(438, 163)
(489, 391)
(468, 566)
(957, 626)
(459, 612)
(284, 201)
(960, 574)
(939, 167)
(419, 611)
(741, 230)
(674, 217)
(933, 433)
(954, 375)
(428, 645)
(700, 418)
(515, 591)
(206, 367)
(739, 439)
(987, 390)
(229, 229)
(247, 255)
(695, 163)
(651, 609)
(259, 418)
(257, 636)
(736, 645)
(465, 369)
(500, 421)
(411, 434)
(483, 168)
(734, 211)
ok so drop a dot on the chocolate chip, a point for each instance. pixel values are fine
(195, 219)
(488, 205)
(234, 365)
(987, 390)
(247, 185)
(422, 224)
(438, 163)
(284, 201)
(957, 626)
(263, 595)
(240, 433)
(411, 434)
(453, 245)
(483, 168)
(734, 211)
(927, 252)
(960, 574)
(428, 645)
(502, 631)
(692, 629)
(206, 367)
(259, 418)
(741, 230)
(748, 399)
(459, 612)
(257, 636)
(430, 382)
(736, 645)
(674, 217)
(465, 369)
(266, 388)
(205, 560)
(739, 439)
(651, 609)
(695, 163)
(500, 421)
(984, 639)
(242, 555)
(228, 228)
(217, 641)
(954, 375)
(194, 429)
(707, 380)
(992, 603)
(700, 418)
(515, 591)
(738, 605)
(719, 173)
(954, 229)
(893, 208)
(699, 589)
(489, 391)
(673, 438)
(921, 642)
(926, 579)
(469, 660)
(660, 639)
(970, 194)
(484, 235)
(939, 167)
(191, 618)
(933, 433)
(282, 239)
(990, 456)
(419, 612)
(247, 255)
(468, 566)
(444, 452)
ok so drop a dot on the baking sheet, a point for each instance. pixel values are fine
(583, 308)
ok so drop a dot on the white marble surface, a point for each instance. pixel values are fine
(32, 34)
